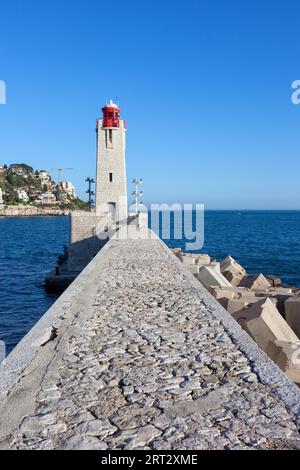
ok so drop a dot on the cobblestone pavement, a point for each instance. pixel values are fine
(145, 366)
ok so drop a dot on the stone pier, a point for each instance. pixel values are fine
(136, 354)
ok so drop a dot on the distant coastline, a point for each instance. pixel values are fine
(30, 211)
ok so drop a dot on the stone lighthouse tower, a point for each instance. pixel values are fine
(111, 190)
(87, 228)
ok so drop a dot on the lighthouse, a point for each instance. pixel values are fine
(111, 189)
(87, 228)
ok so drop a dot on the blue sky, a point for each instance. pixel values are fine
(205, 88)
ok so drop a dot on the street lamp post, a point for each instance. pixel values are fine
(137, 193)
(91, 193)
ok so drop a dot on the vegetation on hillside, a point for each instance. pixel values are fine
(23, 177)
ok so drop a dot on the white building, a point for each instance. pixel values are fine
(46, 198)
(22, 195)
(44, 176)
(111, 190)
(68, 188)
(1, 198)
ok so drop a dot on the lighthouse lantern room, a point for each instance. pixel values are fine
(111, 115)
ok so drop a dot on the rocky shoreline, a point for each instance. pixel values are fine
(267, 310)
(30, 211)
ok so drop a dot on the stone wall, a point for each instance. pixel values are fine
(136, 354)
(84, 242)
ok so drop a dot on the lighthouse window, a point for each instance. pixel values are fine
(110, 114)
(110, 136)
(110, 177)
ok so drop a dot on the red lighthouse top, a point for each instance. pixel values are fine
(111, 115)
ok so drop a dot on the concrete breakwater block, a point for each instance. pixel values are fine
(257, 281)
(292, 313)
(234, 305)
(272, 333)
(211, 276)
(234, 277)
(234, 299)
(287, 356)
(233, 271)
(264, 323)
(195, 259)
(278, 295)
(275, 281)
(230, 264)
(234, 293)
